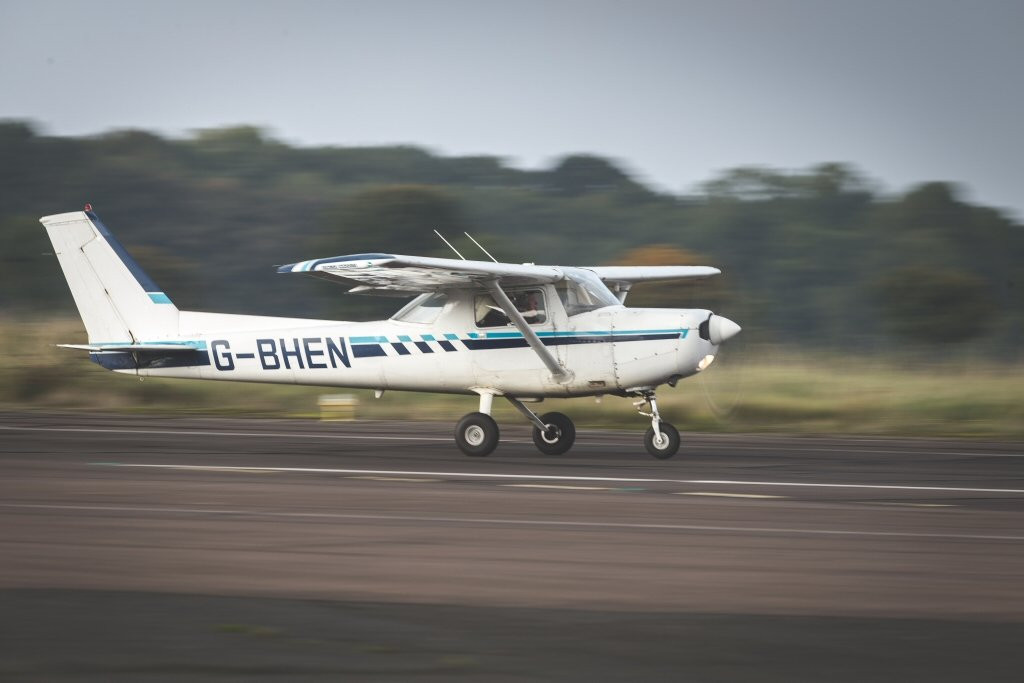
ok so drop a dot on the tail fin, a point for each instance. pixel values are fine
(118, 302)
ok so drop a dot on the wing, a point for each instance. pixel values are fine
(404, 275)
(634, 274)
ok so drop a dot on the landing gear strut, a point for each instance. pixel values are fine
(661, 439)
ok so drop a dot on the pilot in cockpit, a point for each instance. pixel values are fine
(529, 303)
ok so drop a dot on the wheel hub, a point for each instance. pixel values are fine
(474, 435)
(551, 434)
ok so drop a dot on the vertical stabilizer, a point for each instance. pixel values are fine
(118, 302)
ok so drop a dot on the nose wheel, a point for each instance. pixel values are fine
(661, 439)
(663, 444)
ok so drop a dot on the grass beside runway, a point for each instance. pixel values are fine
(749, 390)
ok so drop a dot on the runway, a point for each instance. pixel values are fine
(296, 550)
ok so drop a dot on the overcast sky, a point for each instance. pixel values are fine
(908, 90)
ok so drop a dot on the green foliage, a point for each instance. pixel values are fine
(393, 218)
(30, 277)
(710, 293)
(803, 253)
(935, 306)
(586, 174)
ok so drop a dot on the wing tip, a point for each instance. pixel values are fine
(311, 264)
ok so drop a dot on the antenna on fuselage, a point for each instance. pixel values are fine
(481, 247)
(450, 245)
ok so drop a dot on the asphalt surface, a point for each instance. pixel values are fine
(142, 548)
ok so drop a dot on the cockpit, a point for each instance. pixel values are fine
(580, 291)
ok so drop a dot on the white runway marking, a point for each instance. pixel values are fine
(508, 522)
(414, 480)
(833, 448)
(828, 448)
(558, 486)
(883, 487)
(726, 495)
(201, 432)
(915, 505)
(555, 477)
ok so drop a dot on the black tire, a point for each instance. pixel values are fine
(559, 437)
(477, 434)
(670, 447)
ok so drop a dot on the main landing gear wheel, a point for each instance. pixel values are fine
(667, 443)
(559, 435)
(477, 434)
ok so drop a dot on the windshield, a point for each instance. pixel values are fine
(583, 291)
(423, 309)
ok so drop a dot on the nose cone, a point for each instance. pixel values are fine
(721, 329)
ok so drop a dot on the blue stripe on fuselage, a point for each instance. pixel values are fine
(520, 341)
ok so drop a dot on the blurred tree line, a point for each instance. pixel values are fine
(819, 257)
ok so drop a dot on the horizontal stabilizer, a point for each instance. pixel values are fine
(163, 347)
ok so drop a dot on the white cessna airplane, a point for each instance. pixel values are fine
(523, 332)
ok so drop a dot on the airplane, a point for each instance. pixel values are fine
(519, 331)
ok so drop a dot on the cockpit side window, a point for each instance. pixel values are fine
(423, 309)
(530, 303)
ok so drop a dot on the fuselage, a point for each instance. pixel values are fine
(612, 349)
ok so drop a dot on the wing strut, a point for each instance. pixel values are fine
(500, 298)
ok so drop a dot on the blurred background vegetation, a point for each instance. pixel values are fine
(821, 267)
